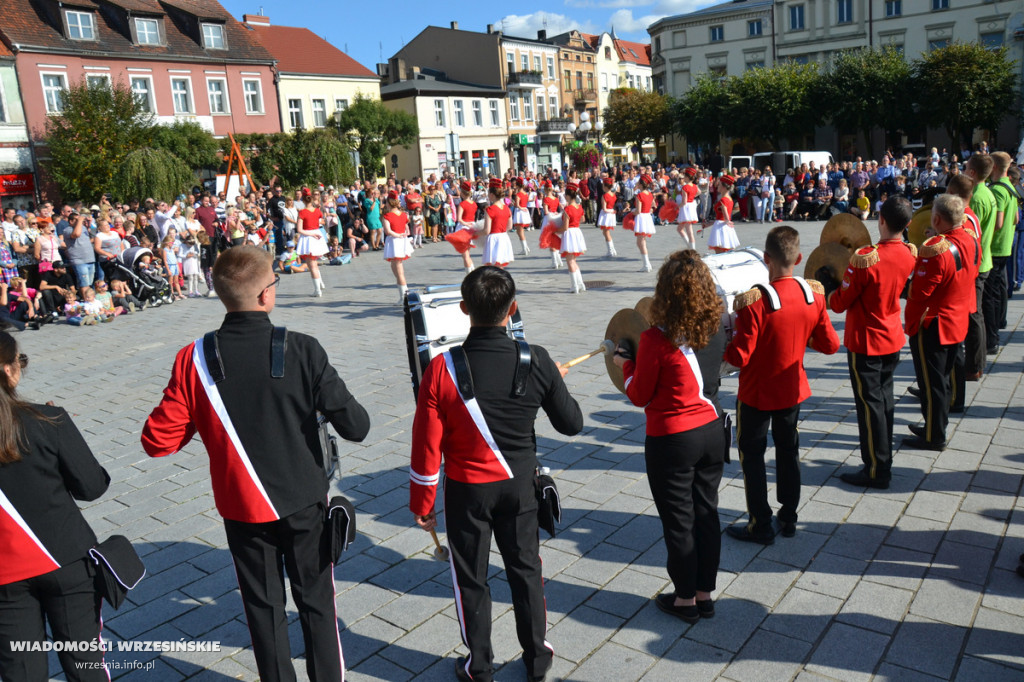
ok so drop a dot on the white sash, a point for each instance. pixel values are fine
(473, 407)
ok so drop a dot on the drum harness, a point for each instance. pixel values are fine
(771, 296)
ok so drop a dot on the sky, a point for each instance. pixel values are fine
(370, 32)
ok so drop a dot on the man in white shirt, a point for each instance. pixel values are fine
(163, 219)
(10, 229)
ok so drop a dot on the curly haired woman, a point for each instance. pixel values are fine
(675, 378)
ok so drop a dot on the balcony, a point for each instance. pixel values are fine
(554, 126)
(584, 97)
(525, 79)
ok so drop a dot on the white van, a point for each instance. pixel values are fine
(780, 161)
(737, 162)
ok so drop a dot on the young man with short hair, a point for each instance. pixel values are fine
(995, 295)
(983, 203)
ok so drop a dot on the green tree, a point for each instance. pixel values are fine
(372, 129)
(263, 153)
(698, 114)
(148, 172)
(88, 141)
(187, 140)
(774, 103)
(965, 86)
(633, 117)
(315, 156)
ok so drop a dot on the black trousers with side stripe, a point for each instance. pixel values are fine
(262, 552)
(933, 363)
(508, 509)
(752, 441)
(872, 379)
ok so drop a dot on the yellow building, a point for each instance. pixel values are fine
(315, 79)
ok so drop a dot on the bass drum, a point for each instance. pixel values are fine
(735, 272)
(434, 322)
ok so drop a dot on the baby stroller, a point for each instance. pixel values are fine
(149, 288)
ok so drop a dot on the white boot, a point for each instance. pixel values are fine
(687, 244)
(526, 248)
(575, 289)
(554, 259)
(316, 287)
(469, 269)
(558, 258)
(579, 281)
(402, 288)
(611, 250)
(647, 263)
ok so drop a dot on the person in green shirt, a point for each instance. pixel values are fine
(978, 167)
(1005, 222)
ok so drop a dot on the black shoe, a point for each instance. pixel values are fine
(922, 444)
(992, 351)
(667, 602)
(957, 410)
(742, 532)
(33, 324)
(460, 670)
(706, 608)
(920, 432)
(862, 479)
(787, 529)
(915, 391)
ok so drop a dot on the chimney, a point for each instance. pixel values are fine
(542, 35)
(490, 28)
(455, 26)
(396, 70)
(256, 20)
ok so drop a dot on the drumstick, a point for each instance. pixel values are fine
(440, 552)
(607, 347)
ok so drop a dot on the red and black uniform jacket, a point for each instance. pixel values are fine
(490, 438)
(41, 527)
(870, 296)
(261, 433)
(937, 291)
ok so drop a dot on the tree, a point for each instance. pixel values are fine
(313, 157)
(88, 141)
(869, 88)
(964, 86)
(774, 103)
(633, 117)
(149, 172)
(187, 140)
(372, 129)
(699, 113)
(263, 152)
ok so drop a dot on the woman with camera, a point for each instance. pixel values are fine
(46, 576)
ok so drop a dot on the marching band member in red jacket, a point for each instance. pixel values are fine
(774, 326)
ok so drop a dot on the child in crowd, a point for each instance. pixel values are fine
(290, 262)
(22, 302)
(878, 204)
(121, 296)
(334, 251)
(189, 254)
(73, 311)
(91, 307)
(417, 228)
(206, 258)
(170, 255)
(106, 299)
(779, 203)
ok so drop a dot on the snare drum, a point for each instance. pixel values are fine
(434, 322)
(735, 272)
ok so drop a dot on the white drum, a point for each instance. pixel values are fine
(434, 322)
(735, 272)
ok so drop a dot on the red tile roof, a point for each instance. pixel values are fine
(592, 39)
(638, 53)
(4, 52)
(299, 50)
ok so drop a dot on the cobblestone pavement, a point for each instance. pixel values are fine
(913, 583)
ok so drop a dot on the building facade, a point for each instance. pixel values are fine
(17, 167)
(315, 82)
(529, 68)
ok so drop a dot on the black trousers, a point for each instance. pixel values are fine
(752, 440)
(933, 362)
(872, 379)
(957, 379)
(994, 301)
(262, 552)
(975, 343)
(508, 509)
(66, 599)
(684, 470)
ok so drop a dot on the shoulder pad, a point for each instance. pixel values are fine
(864, 257)
(933, 247)
(746, 298)
(816, 286)
(969, 229)
(912, 248)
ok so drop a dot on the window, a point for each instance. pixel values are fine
(647, 83)
(98, 80)
(53, 84)
(340, 104)
(513, 106)
(524, 62)
(181, 92)
(607, 52)
(540, 108)
(253, 91)
(213, 37)
(528, 107)
(717, 34)
(629, 80)
(295, 113)
(460, 114)
(142, 88)
(551, 68)
(992, 41)
(579, 80)
(940, 4)
(893, 8)
(754, 28)
(147, 31)
(796, 18)
(217, 91)
(938, 43)
(801, 59)
(590, 81)
(717, 72)
(319, 113)
(568, 80)
(755, 65)
(478, 114)
(536, 63)
(604, 82)
(553, 106)
(80, 25)
(844, 11)
(439, 119)
(495, 116)
(510, 61)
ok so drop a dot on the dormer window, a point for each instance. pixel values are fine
(213, 37)
(147, 31)
(80, 25)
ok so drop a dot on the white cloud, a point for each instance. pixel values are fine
(608, 3)
(625, 23)
(527, 25)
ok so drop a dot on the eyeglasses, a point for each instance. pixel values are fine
(277, 279)
(22, 360)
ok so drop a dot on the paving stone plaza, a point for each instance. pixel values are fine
(912, 583)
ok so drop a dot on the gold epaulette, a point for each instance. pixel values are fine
(864, 257)
(912, 247)
(816, 286)
(970, 231)
(933, 247)
(746, 298)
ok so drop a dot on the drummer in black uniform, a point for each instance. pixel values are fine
(253, 391)
(482, 420)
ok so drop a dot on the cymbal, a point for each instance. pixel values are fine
(643, 306)
(832, 255)
(847, 229)
(625, 326)
(921, 221)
